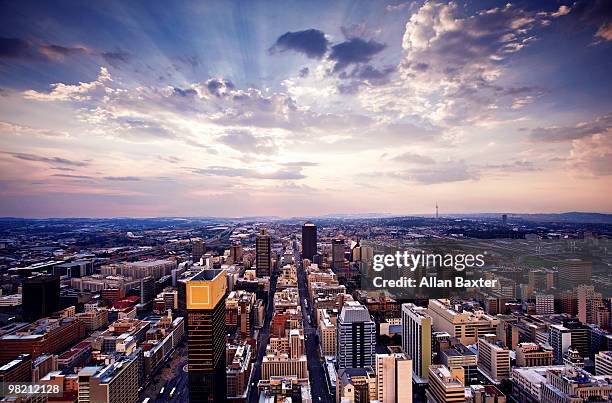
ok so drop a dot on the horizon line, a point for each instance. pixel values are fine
(329, 215)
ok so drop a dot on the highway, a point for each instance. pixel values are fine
(315, 369)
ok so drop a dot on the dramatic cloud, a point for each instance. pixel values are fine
(70, 176)
(17, 48)
(604, 32)
(516, 166)
(67, 92)
(364, 75)
(169, 158)
(591, 13)
(188, 92)
(402, 132)
(443, 99)
(19, 130)
(59, 53)
(449, 171)
(122, 178)
(49, 160)
(310, 42)
(290, 173)
(590, 141)
(246, 142)
(452, 62)
(354, 51)
(592, 154)
(219, 87)
(412, 158)
(601, 125)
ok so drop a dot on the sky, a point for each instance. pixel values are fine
(299, 108)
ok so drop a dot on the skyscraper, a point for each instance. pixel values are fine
(263, 250)
(560, 339)
(445, 385)
(337, 254)
(493, 359)
(416, 338)
(147, 289)
(589, 302)
(205, 301)
(394, 378)
(573, 272)
(236, 252)
(545, 304)
(309, 240)
(356, 336)
(197, 250)
(40, 296)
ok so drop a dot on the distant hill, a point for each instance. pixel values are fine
(574, 217)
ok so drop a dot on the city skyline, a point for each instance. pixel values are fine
(234, 109)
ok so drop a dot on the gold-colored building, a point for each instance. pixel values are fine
(205, 301)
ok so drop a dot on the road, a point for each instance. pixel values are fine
(318, 383)
(173, 375)
(264, 336)
(170, 376)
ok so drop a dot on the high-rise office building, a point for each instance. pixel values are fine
(589, 301)
(356, 336)
(205, 302)
(147, 289)
(337, 254)
(40, 296)
(545, 304)
(580, 334)
(118, 382)
(197, 250)
(541, 279)
(416, 338)
(445, 385)
(356, 385)
(603, 363)
(493, 359)
(394, 378)
(560, 339)
(533, 355)
(467, 326)
(309, 240)
(236, 252)
(573, 272)
(263, 254)
(571, 384)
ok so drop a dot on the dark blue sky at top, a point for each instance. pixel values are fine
(170, 42)
(201, 39)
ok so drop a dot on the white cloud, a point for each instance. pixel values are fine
(452, 63)
(19, 130)
(605, 32)
(68, 92)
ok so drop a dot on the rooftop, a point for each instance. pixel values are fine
(354, 312)
(206, 275)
